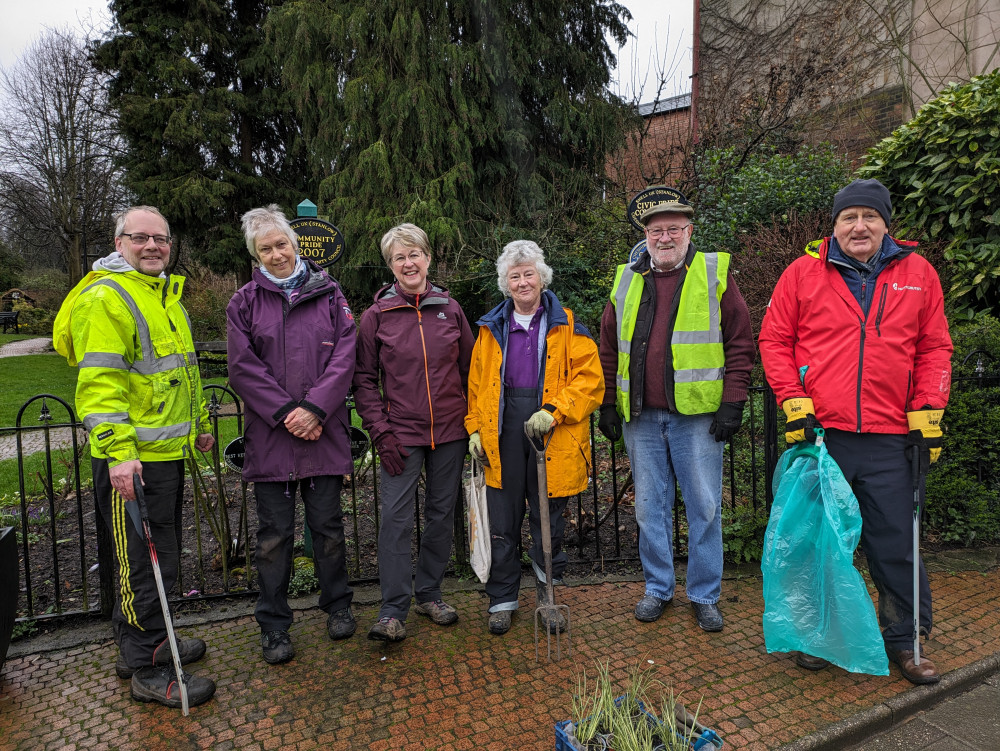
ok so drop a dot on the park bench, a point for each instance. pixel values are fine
(8, 319)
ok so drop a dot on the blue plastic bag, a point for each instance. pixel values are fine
(815, 601)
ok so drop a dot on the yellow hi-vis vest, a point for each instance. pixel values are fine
(695, 341)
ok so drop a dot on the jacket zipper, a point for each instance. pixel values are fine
(427, 375)
(881, 310)
(861, 368)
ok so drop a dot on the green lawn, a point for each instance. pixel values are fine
(26, 376)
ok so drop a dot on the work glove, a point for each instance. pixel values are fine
(728, 419)
(610, 422)
(800, 420)
(391, 453)
(539, 424)
(476, 449)
(926, 423)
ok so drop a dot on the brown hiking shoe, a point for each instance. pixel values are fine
(387, 628)
(438, 611)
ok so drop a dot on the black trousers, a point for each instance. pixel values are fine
(506, 505)
(138, 617)
(275, 535)
(876, 466)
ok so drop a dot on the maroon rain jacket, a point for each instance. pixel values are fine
(412, 367)
(285, 354)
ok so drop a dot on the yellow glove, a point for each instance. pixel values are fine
(539, 424)
(800, 420)
(928, 422)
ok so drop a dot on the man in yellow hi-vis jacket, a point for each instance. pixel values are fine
(139, 396)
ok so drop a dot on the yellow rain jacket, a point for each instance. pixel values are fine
(138, 391)
(573, 384)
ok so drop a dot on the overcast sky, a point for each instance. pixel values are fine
(662, 28)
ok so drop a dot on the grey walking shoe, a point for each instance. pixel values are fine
(341, 624)
(649, 608)
(277, 647)
(709, 617)
(159, 683)
(438, 611)
(191, 650)
(387, 628)
(499, 622)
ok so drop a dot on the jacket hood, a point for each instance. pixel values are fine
(828, 249)
(392, 294)
(497, 319)
(318, 280)
(115, 263)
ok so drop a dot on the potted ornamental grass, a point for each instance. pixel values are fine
(604, 717)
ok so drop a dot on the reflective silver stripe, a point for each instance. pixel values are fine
(697, 337)
(180, 430)
(694, 375)
(94, 419)
(621, 293)
(159, 365)
(103, 360)
(147, 363)
(622, 384)
(714, 312)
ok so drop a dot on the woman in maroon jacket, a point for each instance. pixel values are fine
(291, 341)
(414, 348)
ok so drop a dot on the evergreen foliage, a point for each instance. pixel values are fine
(943, 171)
(475, 120)
(209, 131)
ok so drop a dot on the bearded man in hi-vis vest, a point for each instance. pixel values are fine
(676, 350)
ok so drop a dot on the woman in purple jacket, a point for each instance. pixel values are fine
(414, 348)
(291, 359)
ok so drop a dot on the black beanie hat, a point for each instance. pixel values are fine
(869, 193)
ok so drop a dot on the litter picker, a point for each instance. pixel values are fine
(143, 529)
(914, 457)
(549, 612)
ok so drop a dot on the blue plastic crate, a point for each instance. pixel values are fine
(706, 740)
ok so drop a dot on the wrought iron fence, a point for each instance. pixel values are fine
(66, 564)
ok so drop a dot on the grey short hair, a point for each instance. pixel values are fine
(121, 218)
(517, 253)
(409, 235)
(258, 222)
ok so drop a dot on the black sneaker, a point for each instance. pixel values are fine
(277, 646)
(159, 683)
(341, 624)
(709, 617)
(191, 650)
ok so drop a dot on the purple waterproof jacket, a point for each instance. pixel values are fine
(413, 365)
(286, 354)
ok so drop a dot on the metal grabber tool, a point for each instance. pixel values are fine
(914, 457)
(548, 612)
(143, 529)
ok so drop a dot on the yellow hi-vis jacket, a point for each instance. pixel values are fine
(138, 390)
(697, 353)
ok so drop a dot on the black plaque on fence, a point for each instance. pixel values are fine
(319, 241)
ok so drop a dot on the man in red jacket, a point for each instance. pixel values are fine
(855, 340)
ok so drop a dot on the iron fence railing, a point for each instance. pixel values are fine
(66, 565)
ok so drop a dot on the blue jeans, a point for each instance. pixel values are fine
(663, 447)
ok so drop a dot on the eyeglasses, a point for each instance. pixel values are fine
(413, 256)
(141, 238)
(670, 231)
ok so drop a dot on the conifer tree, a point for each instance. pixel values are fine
(471, 118)
(209, 131)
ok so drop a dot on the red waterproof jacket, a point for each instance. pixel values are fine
(412, 367)
(864, 372)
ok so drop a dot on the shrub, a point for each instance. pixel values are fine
(32, 320)
(732, 197)
(963, 486)
(943, 171)
(206, 296)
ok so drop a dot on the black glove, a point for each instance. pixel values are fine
(391, 453)
(610, 423)
(918, 452)
(728, 419)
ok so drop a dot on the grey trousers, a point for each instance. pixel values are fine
(443, 475)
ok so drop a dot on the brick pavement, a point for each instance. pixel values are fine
(461, 688)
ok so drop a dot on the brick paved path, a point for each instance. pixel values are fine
(461, 688)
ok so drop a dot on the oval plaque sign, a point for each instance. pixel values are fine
(319, 241)
(650, 197)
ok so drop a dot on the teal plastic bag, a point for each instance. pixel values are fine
(815, 601)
